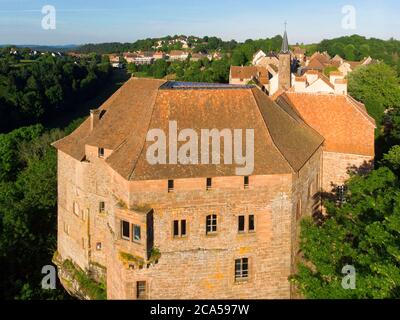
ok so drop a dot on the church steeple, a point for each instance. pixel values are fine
(285, 75)
(285, 42)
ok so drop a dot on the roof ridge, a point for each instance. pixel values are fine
(269, 132)
(148, 127)
(365, 114)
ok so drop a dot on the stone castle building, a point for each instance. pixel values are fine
(200, 231)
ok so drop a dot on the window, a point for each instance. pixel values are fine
(141, 290)
(341, 195)
(183, 228)
(209, 183)
(179, 227)
(102, 206)
(246, 182)
(101, 152)
(241, 269)
(241, 220)
(98, 246)
(242, 223)
(176, 228)
(125, 232)
(251, 223)
(170, 185)
(136, 233)
(211, 224)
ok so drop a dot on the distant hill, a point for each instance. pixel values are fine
(61, 48)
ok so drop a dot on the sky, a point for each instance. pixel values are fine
(94, 21)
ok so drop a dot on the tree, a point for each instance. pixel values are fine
(362, 233)
(350, 52)
(160, 68)
(28, 193)
(377, 86)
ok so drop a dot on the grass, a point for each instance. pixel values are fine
(96, 291)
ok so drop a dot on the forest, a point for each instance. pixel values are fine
(35, 88)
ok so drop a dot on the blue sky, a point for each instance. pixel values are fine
(128, 20)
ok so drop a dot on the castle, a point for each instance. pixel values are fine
(200, 231)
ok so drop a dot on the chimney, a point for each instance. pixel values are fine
(95, 115)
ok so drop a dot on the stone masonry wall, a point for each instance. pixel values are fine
(337, 165)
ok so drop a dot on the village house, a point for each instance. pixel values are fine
(299, 54)
(178, 55)
(159, 55)
(315, 82)
(347, 67)
(200, 231)
(197, 56)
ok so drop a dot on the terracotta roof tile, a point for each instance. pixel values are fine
(283, 142)
(346, 127)
(248, 72)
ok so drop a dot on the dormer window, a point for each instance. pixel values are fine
(101, 152)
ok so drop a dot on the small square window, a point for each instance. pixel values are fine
(246, 182)
(251, 223)
(98, 246)
(179, 228)
(136, 233)
(141, 290)
(125, 232)
(209, 184)
(241, 223)
(170, 185)
(176, 228)
(211, 224)
(241, 269)
(101, 152)
(183, 228)
(102, 206)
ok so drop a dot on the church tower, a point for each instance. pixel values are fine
(285, 81)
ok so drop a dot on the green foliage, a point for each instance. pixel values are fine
(328, 70)
(95, 290)
(356, 47)
(33, 92)
(28, 193)
(364, 233)
(378, 86)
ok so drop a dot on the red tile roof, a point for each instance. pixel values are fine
(283, 144)
(248, 72)
(343, 122)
